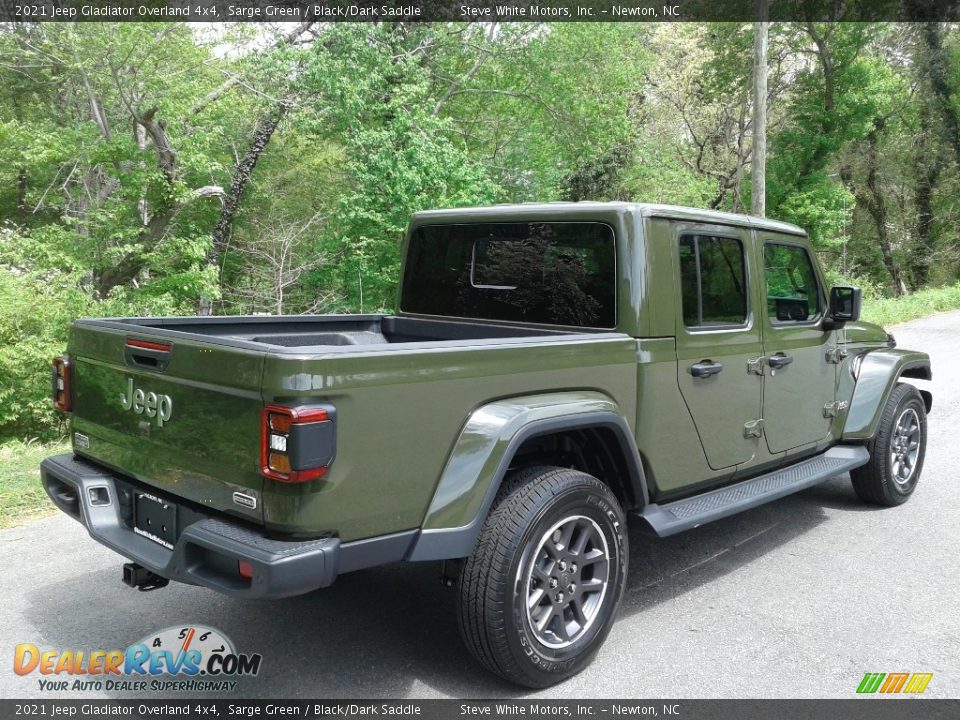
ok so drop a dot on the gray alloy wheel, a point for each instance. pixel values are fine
(905, 446)
(566, 578)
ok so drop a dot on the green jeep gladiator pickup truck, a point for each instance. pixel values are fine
(552, 370)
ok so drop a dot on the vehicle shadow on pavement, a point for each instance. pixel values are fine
(391, 632)
(663, 568)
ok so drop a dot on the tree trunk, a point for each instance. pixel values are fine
(153, 232)
(816, 160)
(132, 263)
(929, 165)
(922, 255)
(241, 177)
(876, 205)
(938, 69)
(758, 170)
(155, 222)
(22, 194)
(157, 131)
(22, 170)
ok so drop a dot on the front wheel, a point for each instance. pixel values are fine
(539, 593)
(896, 450)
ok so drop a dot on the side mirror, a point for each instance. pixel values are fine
(844, 306)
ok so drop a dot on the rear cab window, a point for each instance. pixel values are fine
(545, 273)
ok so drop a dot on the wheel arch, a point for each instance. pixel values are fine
(920, 371)
(879, 373)
(500, 433)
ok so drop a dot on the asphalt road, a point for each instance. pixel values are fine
(798, 598)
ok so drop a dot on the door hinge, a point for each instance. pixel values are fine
(836, 355)
(832, 409)
(753, 428)
(755, 366)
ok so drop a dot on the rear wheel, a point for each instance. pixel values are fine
(539, 593)
(896, 450)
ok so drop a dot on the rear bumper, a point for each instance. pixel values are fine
(206, 552)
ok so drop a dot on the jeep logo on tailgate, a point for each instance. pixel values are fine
(151, 404)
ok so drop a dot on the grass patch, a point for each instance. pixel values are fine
(891, 311)
(21, 495)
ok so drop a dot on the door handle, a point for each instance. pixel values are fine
(705, 368)
(779, 360)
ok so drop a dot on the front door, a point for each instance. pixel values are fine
(717, 338)
(800, 374)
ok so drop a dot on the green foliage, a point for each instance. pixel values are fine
(834, 100)
(21, 493)
(35, 315)
(403, 167)
(891, 311)
(386, 119)
(823, 207)
(36, 310)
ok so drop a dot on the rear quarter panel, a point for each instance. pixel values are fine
(400, 412)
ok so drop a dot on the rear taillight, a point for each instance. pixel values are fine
(297, 444)
(61, 383)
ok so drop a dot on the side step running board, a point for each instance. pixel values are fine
(700, 509)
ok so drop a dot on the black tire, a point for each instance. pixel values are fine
(520, 552)
(892, 473)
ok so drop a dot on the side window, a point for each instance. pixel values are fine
(793, 294)
(713, 281)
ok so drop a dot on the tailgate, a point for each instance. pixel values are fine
(181, 415)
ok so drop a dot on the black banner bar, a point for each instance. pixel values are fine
(873, 708)
(476, 10)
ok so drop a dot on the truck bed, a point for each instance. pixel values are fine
(401, 386)
(316, 331)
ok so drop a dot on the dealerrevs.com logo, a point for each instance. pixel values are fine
(180, 658)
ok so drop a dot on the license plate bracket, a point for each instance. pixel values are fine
(155, 519)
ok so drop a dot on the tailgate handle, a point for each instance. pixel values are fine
(147, 354)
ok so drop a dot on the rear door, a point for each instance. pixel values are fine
(717, 338)
(181, 415)
(800, 375)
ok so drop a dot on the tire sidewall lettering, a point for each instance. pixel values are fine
(592, 504)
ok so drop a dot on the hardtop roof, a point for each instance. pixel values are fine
(527, 211)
